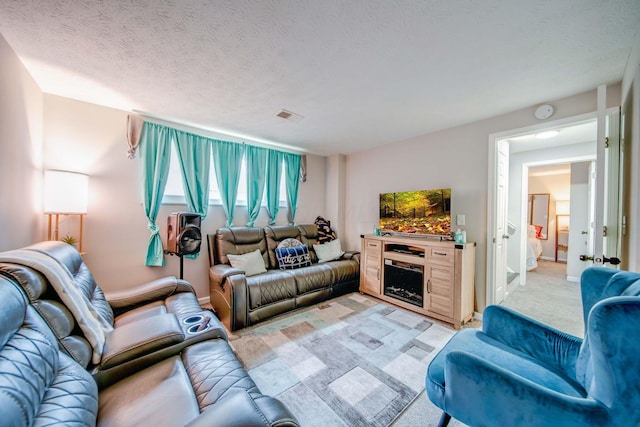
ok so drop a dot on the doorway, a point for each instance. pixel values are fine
(573, 140)
(548, 179)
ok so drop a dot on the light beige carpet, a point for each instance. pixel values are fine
(550, 298)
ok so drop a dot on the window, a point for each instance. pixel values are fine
(174, 192)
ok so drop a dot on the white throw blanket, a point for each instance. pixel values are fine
(94, 326)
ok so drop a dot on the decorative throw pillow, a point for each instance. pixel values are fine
(325, 232)
(289, 243)
(290, 258)
(251, 263)
(329, 251)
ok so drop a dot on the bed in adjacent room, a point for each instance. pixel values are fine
(534, 248)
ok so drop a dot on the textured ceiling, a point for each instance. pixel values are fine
(362, 73)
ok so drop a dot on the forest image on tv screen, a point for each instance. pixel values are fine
(417, 212)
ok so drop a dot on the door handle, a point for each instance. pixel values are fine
(613, 260)
(505, 236)
(584, 232)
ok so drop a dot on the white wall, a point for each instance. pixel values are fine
(91, 139)
(455, 158)
(336, 182)
(21, 111)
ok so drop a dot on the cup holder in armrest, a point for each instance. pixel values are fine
(193, 329)
(197, 323)
(197, 318)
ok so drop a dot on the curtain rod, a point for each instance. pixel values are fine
(217, 134)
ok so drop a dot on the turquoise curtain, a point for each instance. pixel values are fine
(155, 152)
(274, 171)
(292, 164)
(194, 155)
(256, 160)
(227, 160)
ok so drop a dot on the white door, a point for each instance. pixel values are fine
(612, 186)
(580, 219)
(607, 197)
(500, 242)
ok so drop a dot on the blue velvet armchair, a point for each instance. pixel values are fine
(519, 372)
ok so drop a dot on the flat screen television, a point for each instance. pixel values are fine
(425, 212)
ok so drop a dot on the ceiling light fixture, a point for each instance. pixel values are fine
(547, 134)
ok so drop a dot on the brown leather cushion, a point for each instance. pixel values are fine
(270, 287)
(276, 234)
(238, 241)
(317, 276)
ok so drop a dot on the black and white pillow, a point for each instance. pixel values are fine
(290, 258)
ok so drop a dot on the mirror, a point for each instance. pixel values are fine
(538, 214)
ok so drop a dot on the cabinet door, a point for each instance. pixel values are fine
(371, 265)
(440, 288)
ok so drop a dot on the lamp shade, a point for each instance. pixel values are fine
(562, 207)
(65, 192)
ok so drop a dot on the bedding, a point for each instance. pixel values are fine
(534, 248)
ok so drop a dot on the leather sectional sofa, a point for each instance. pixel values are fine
(240, 300)
(165, 360)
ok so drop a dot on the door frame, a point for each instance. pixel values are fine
(492, 178)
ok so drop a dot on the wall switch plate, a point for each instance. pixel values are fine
(460, 219)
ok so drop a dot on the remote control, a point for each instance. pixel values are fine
(203, 325)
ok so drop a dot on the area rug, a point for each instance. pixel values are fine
(350, 361)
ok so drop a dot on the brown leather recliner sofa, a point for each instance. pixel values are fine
(155, 370)
(241, 301)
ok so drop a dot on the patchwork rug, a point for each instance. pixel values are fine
(350, 361)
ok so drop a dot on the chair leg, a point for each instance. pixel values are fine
(444, 420)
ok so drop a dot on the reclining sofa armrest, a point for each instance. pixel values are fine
(151, 291)
(136, 339)
(219, 272)
(536, 339)
(229, 295)
(242, 410)
(352, 255)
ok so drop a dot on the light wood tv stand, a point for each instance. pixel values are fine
(446, 289)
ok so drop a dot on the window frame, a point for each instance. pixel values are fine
(175, 185)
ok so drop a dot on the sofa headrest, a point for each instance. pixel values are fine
(69, 257)
(237, 241)
(45, 301)
(309, 236)
(33, 283)
(276, 234)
